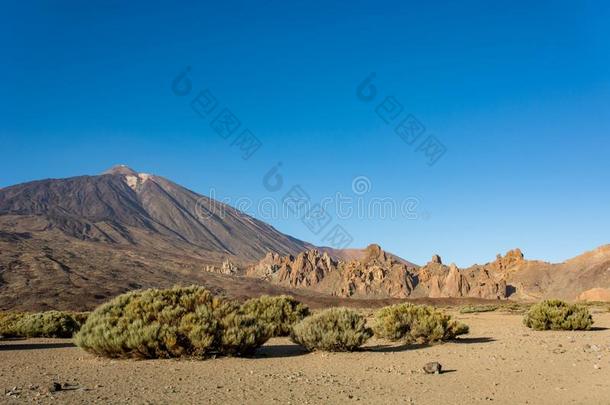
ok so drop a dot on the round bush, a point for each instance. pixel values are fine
(177, 322)
(8, 323)
(53, 324)
(416, 323)
(558, 315)
(278, 314)
(334, 330)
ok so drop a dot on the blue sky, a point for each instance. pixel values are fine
(517, 92)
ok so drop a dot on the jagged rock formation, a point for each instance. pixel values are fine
(307, 269)
(436, 259)
(376, 274)
(439, 281)
(510, 260)
(227, 267)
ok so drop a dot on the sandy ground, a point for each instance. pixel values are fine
(500, 362)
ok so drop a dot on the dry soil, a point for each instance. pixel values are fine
(500, 362)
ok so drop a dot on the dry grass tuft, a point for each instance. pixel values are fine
(473, 309)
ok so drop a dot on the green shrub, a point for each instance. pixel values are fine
(558, 315)
(55, 324)
(278, 314)
(473, 309)
(416, 323)
(515, 308)
(8, 323)
(177, 322)
(80, 317)
(334, 329)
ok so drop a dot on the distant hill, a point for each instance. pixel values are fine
(73, 243)
(371, 272)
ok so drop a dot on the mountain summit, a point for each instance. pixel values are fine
(94, 236)
(123, 206)
(121, 169)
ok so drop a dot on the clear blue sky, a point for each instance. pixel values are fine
(518, 92)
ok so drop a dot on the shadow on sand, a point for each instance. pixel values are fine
(469, 341)
(394, 348)
(279, 351)
(407, 347)
(35, 346)
(294, 350)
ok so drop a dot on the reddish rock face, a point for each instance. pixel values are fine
(376, 274)
(511, 259)
(595, 294)
(440, 281)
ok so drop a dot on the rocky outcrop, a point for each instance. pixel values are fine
(455, 283)
(483, 284)
(436, 259)
(267, 268)
(595, 294)
(377, 274)
(227, 267)
(510, 260)
(307, 269)
(436, 280)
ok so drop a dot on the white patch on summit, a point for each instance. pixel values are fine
(134, 181)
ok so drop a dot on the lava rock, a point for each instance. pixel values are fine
(55, 387)
(433, 368)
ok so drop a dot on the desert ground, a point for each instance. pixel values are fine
(500, 361)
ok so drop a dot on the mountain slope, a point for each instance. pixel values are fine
(534, 280)
(73, 243)
(125, 207)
